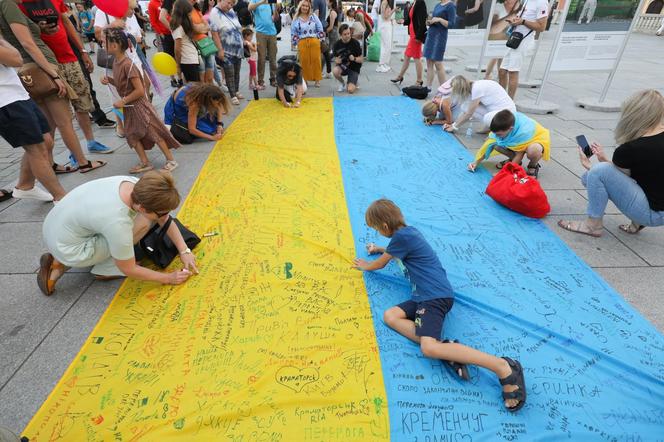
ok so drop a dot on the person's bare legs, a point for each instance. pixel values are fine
(85, 124)
(418, 70)
(165, 150)
(502, 78)
(140, 151)
(404, 67)
(36, 164)
(513, 84)
(489, 68)
(430, 65)
(534, 153)
(58, 114)
(396, 319)
(440, 71)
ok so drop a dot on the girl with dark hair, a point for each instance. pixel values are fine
(142, 126)
(186, 54)
(195, 111)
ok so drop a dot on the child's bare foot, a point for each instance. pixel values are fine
(514, 384)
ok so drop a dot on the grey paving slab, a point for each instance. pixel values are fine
(26, 391)
(27, 316)
(600, 124)
(566, 202)
(648, 244)
(26, 240)
(605, 251)
(25, 211)
(553, 176)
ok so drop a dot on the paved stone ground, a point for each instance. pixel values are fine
(39, 336)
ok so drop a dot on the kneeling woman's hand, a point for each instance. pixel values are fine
(472, 166)
(189, 261)
(178, 277)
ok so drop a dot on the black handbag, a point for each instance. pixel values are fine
(157, 246)
(416, 92)
(515, 38)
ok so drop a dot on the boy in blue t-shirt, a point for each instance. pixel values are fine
(87, 21)
(421, 318)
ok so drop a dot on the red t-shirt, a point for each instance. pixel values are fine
(153, 13)
(37, 10)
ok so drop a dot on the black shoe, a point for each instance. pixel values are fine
(273, 82)
(180, 83)
(174, 83)
(106, 124)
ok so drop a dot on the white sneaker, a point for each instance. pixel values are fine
(342, 86)
(35, 193)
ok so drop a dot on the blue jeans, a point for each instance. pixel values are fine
(605, 182)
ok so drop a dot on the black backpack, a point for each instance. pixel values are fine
(416, 92)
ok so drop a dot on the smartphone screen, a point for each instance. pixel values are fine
(583, 143)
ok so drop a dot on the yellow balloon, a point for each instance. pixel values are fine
(164, 64)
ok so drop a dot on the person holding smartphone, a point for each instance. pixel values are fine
(632, 178)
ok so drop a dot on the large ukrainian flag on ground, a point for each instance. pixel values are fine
(279, 340)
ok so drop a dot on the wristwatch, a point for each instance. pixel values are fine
(186, 251)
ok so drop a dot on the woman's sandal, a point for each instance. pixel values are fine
(85, 168)
(460, 370)
(575, 226)
(60, 169)
(46, 266)
(631, 228)
(515, 378)
(397, 80)
(141, 167)
(5, 195)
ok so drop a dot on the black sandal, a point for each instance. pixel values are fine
(515, 378)
(85, 168)
(60, 170)
(5, 195)
(533, 171)
(460, 370)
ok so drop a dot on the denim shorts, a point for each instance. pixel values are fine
(428, 315)
(207, 64)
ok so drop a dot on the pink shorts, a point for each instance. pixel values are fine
(252, 67)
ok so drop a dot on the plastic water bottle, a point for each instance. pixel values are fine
(469, 131)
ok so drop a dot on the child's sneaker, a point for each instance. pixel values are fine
(342, 86)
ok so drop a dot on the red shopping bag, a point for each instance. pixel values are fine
(517, 191)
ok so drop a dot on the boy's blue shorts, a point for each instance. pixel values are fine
(428, 315)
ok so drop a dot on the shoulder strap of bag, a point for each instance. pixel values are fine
(164, 229)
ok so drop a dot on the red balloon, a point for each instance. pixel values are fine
(114, 8)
